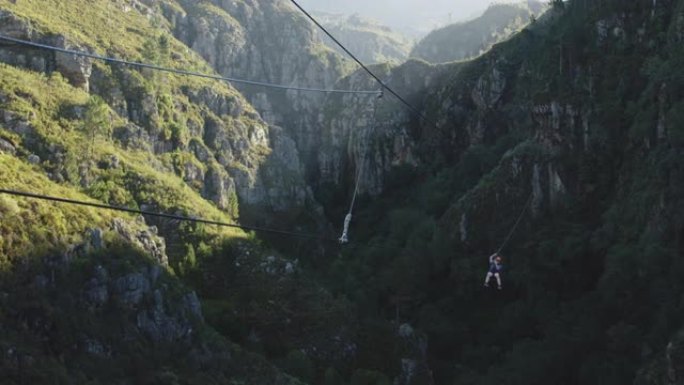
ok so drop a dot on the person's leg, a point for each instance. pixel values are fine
(498, 279)
(489, 275)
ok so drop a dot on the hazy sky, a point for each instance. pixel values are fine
(402, 14)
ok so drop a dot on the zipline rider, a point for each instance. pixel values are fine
(495, 268)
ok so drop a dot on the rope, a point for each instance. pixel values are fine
(176, 71)
(356, 245)
(347, 219)
(374, 76)
(517, 222)
(363, 159)
(160, 215)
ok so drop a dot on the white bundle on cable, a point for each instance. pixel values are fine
(344, 238)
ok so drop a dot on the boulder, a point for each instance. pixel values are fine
(7, 147)
(34, 159)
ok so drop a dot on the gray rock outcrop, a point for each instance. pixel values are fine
(76, 69)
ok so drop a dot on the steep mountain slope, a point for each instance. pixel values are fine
(370, 41)
(472, 38)
(93, 289)
(104, 307)
(80, 128)
(579, 115)
(265, 41)
(200, 131)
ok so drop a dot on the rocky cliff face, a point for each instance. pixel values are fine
(76, 69)
(370, 135)
(220, 131)
(269, 42)
(107, 314)
(283, 48)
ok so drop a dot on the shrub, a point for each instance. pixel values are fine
(298, 364)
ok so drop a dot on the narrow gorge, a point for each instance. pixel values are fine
(561, 146)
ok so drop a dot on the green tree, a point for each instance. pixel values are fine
(97, 122)
(157, 51)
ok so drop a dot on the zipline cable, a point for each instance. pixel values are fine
(517, 222)
(161, 215)
(243, 81)
(176, 71)
(359, 62)
(359, 171)
(188, 219)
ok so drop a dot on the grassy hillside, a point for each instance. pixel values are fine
(65, 147)
(92, 298)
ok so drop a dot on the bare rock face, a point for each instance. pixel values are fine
(15, 27)
(219, 104)
(259, 41)
(367, 135)
(260, 164)
(219, 187)
(74, 68)
(281, 175)
(161, 325)
(7, 147)
(129, 289)
(96, 289)
(132, 136)
(156, 316)
(147, 240)
(489, 89)
(16, 123)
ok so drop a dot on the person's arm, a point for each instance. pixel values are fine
(491, 258)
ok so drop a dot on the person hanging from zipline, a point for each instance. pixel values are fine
(495, 260)
(495, 268)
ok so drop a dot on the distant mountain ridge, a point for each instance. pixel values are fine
(471, 38)
(371, 41)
